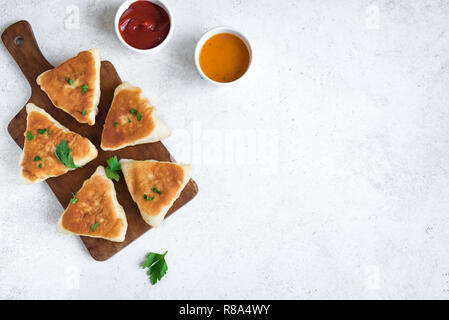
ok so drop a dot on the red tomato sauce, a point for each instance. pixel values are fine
(144, 25)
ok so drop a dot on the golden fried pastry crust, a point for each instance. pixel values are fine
(131, 120)
(42, 136)
(94, 210)
(154, 186)
(74, 86)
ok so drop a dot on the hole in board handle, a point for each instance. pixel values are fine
(18, 41)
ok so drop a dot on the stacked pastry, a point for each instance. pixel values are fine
(51, 150)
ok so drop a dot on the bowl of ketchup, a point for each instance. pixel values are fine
(143, 25)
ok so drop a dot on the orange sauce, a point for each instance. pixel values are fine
(224, 57)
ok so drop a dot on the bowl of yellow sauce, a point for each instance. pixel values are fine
(223, 55)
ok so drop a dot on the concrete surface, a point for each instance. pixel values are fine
(323, 174)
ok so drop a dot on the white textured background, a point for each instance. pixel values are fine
(355, 203)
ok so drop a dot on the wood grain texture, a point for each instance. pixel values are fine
(32, 63)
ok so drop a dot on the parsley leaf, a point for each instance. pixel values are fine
(94, 226)
(40, 165)
(156, 190)
(63, 154)
(157, 267)
(146, 197)
(84, 112)
(84, 88)
(30, 136)
(113, 168)
(129, 120)
(37, 158)
(113, 163)
(115, 124)
(74, 199)
(138, 115)
(41, 131)
(112, 174)
(69, 81)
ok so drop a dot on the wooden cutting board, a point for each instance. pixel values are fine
(20, 42)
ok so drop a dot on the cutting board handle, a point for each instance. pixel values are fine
(20, 41)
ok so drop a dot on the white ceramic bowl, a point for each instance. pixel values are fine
(125, 5)
(206, 37)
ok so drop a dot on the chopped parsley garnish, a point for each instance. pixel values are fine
(63, 154)
(84, 88)
(74, 199)
(94, 226)
(41, 131)
(40, 165)
(157, 266)
(37, 158)
(146, 197)
(115, 124)
(69, 81)
(113, 168)
(156, 190)
(138, 115)
(84, 112)
(129, 120)
(30, 136)
(48, 132)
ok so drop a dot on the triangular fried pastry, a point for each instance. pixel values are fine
(74, 85)
(94, 210)
(45, 141)
(131, 120)
(154, 186)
